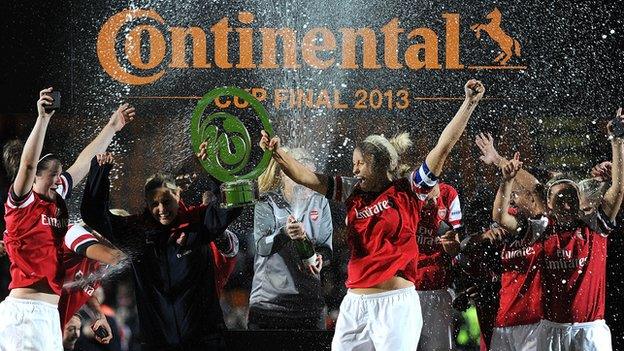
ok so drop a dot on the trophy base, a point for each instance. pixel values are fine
(239, 193)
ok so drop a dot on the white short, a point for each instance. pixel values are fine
(516, 338)
(388, 321)
(437, 320)
(29, 325)
(589, 336)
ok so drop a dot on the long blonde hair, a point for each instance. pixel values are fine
(271, 178)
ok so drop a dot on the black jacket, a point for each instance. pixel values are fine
(175, 288)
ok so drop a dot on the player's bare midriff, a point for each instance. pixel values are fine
(394, 283)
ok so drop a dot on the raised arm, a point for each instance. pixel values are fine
(490, 156)
(293, 168)
(216, 219)
(95, 198)
(124, 114)
(455, 128)
(34, 144)
(503, 196)
(613, 197)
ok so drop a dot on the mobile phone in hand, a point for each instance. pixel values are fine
(56, 101)
(101, 332)
(618, 127)
(444, 227)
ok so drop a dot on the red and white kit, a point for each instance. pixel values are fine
(575, 282)
(381, 229)
(520, 307)
(434, 276)
(35, 229)
(434, 265)
(77, 268)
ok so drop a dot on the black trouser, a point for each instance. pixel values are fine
(260, 320)
(213, 342)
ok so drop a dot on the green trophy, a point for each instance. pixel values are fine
(228, 150)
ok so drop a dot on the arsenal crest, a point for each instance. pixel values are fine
(314, 215)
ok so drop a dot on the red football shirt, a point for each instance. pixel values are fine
(434, 264)
(575, 271)
(77, 268)
(521, 280)
(35, 228)
(381, 227)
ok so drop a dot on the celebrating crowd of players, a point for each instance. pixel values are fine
(547, 245)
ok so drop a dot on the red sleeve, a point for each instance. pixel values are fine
(13, 201)
(195, 213)
(224, 266)
(451, 202)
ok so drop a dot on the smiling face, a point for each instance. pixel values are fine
(48, 179)
(163, 204)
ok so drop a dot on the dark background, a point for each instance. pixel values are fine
(553, 112)
(572, 83)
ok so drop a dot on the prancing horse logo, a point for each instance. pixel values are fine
(507, 44)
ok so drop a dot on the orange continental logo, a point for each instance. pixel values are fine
(136, 46)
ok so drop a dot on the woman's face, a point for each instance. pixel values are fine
(163, 205)
(364, 172)
(49, 180)
(564, 200)
(289, 184)
(521, 199)
(71, 333)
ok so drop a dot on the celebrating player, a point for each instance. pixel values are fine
(438, 243)
(381, 309)
(181, 258)
(36, 220)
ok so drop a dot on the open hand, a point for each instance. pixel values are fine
(602, 171)
(489, 154)
(494, 234)
(124, 114)
(105, 158)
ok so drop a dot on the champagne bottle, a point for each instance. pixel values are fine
(305, 248)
